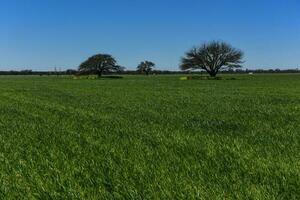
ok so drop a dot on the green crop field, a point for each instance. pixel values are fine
(155, 137)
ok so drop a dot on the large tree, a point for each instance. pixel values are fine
(99, 64)
(145, 67)
(212, 57)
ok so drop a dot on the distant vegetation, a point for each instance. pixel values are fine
(212, 57)
(145, 67)
(99, 64)
(132, 72)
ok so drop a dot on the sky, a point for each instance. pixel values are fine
(43, 34)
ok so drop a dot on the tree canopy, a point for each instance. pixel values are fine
(99, 64)
(212, 57)
(145, 67)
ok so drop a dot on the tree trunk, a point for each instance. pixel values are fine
(99, 73)
(212, 73)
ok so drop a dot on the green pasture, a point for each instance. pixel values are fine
(150, 137)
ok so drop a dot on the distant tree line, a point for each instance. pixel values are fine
(154, 72)
(41, 73)
(209, 58)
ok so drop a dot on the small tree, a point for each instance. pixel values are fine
(99, 64)
(145, 67)
(212, 57)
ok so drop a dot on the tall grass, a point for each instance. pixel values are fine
(150, 138)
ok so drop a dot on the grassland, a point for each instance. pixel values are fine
(154, 137)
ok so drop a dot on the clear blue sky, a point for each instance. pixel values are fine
(41, 34)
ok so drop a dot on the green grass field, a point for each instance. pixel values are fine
(155, 137)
